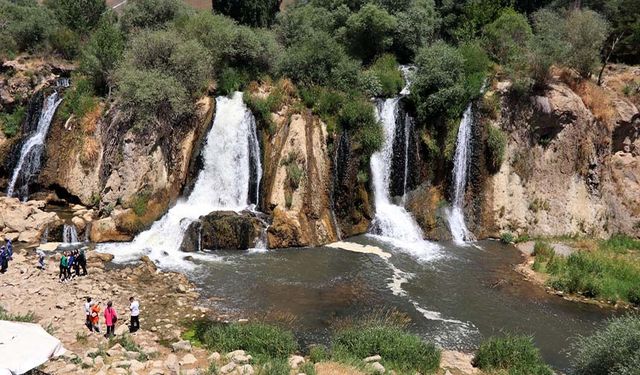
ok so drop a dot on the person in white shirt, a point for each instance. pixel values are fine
(135, 315)
(87, 312)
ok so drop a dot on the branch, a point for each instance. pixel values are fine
(606, 60)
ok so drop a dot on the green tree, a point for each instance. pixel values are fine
(549, 43)
(508, 36)
(255, 13)
(24, 26)
(585, 33)
(438, 88)
(78, 15)
(417, 25)
(101, 54)
(369, 32)
(301, 21)
(140, 14)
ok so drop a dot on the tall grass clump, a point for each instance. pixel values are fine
(614, 349)
(29, 317)
(513, 354)
(400, 351)
(259, 339)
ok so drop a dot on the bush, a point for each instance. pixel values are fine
(78, 100)
(369, 32)
(101, 54)
(613, 349)
(142, 14)
(78, 15)
(399, 350)
(256, 338)
(29, 317)
(508, 36)
(515, 354)
(586, 32)
(11, 122)
(385, 69)
(357, 116)
(496, 146)
(26, 26)
(417, 26)
(318, 353)
(255, 13)
(65, 42)
(507, 237)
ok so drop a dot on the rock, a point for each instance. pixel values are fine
(373, 358)
(171, 362)
(181, 288)
(235, 353)
(225, 230)
(98, 361)
(79, 223)
(215, 356)
(105, 230)
(87, 361)
(295, 361)
(181, 346)
(241, 359)
(188, 359)
(245, 370)
(149, 350)
(377, 368)
(121, 329)
(115, 350)
(131, 355)
(136, 366)
(226, 369)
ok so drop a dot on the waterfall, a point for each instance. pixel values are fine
(393, 223)
(69, 234)
(31, 153)
(223, 184)
(455, 215)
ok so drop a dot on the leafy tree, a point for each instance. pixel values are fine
(476, 15)
(417, 25)
(319, 60)
(438, 88)
(150, 13)
(548, 44)
(476, 64)
(101, 54)
(387, 75)
(24, 25)
(301, 21)
(586, 32)
(369, 32)
(508, 36)
(78, 15)
(256, 13)
(66, 42)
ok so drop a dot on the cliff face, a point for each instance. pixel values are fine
(571, 165)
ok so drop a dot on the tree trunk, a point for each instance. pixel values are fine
(606, 59)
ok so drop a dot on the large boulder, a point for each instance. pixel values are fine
(224, 230)
(26, 219)
(106, 230)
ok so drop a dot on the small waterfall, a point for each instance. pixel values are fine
(455, 215)
(223, 184)
(393, 223)
(31, 153)
(255, 164)
(69, 234)
(63, 82)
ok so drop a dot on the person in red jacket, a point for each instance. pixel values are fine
(110, 319)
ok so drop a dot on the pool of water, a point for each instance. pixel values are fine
(456, 296)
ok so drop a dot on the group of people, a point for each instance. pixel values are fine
(6, 254)
(92, 313)
(72, 260)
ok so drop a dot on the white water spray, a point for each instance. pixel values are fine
(69, 234)
(31, 153)
(222, 185)
(455, 215)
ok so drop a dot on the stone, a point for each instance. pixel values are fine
(79, 223)
(171, 362)
(235, 353)
(225, 230)
(377, 368)
(181, 346)
(241, 359)
(245, 370)
(181, 288)
(226, 369)
(136, 366)
(131, 354)
(295, 361)
(188, 359)
(373, 358)
(215, 356)
(149, 350)
(98, 361)
(121, 329)
(87, 361)
(105, 230)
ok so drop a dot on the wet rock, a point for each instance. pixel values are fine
(181, 346)
(225, 230)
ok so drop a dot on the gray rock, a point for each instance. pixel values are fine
(181, 346)
(188, 359)
(377, 368)
(373, 358)
(295, 361)
(226, 369)
(245, 370)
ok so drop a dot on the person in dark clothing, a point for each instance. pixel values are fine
(70, 264)
(76, 263)
(64, 262)
(9, 250)
(82, 260)
(4, 259)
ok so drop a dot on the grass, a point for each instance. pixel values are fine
(259, 339)
(400, 351)
(11, 122)
(496, 146)
(517, 355)
(385, 69)
(29, 317)
(610, 270)
(318, 353)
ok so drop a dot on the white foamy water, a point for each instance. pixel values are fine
(393, 223)
(69, 234)
(31, 153)
(222, 185)
(455, 215)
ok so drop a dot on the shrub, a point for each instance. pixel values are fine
(139, 202)
(78, 100)
(318, 353)
(543, 250)
(586, 32)
(78, 15)
(358, 117)
(11, 122)
(496, 146)
(256, 338)
(621, 243)
(417, 26)
(142, 14)
(385, 69)
(612, 349)
(25, 26)
(507, 237)
(29, 317)
(256, 13)
(101, 54)
(516, 354)
(399, 350)
(369, 32)
(231, 80)
(508, 36)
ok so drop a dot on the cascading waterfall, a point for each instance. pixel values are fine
(223, 184)
(455, 215)
(69, 234)
(31, 153)
(393, 223)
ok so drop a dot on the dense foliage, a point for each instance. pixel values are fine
(513, 354)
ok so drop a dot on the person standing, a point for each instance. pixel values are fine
(10, 249)
(82, 260)
(64, 262)
(70, 263)
(4, 260)
(95, 317)
(87, 312)
(76, 263)
(134, 307)
(110, 319)
(41, 257)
